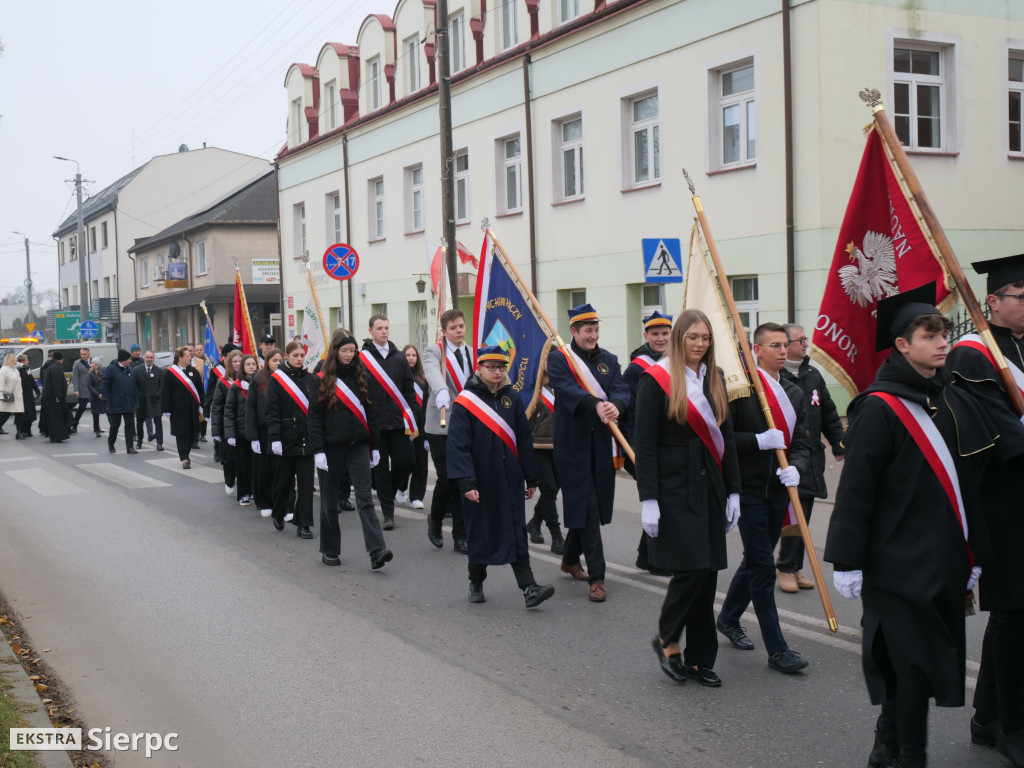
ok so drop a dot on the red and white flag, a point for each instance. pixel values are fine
(882, 251)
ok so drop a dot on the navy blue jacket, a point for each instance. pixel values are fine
(119, 390)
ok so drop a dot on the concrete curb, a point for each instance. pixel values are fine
(24, 692)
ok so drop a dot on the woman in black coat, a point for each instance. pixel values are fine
(54, 399)
(343, 434)
(234, 428)
(687, 475)
(181, 398)
(97, 404)
(264, 462)
(30, 393)
(290, 391)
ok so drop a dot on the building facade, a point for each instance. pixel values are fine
(138, 205)
(573, 120)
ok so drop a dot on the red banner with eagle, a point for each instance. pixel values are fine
(883, 249)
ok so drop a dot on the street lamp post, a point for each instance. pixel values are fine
(83, 249)
(31, 316)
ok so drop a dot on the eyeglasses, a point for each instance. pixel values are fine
(494, 367)
(776, 346)
(803, 340)
(1018, 296)
(693, 338)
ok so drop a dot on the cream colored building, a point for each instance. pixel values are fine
(573, 122)
(138, 205)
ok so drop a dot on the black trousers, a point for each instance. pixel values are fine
(83, 403)
(415, 480)
(263, 470)
(791, 548)
(227, 460)
(521, 569)
(344, 463)
(294, 474)
(115, 424)
(690, 603)
(243, 470)
(546, 508)
(1000, 692)
(587, 541)
(184, 445)
(446, 498)
(395, 461)
(154, 427)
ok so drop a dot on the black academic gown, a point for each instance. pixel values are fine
(478, 459)
(177, 400)
(894, 521)
(1002, 587)
(583, 445)
(54, 402)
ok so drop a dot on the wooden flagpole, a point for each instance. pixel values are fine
(918, 198)
(755, 380)
(245, 310)
(549, 328)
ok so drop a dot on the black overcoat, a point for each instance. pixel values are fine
(387, 413)
(177, 400)
(335, 426)
(822, 420)
(583, 445)
(287, 423)
(54, 401)
(30, 393)
(234, 411)
(150, 386)
(256, 412)
(478, 459)
(674, 467)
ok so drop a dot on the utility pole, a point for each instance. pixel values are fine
(83, 248)
(31, 316)
(444, 108)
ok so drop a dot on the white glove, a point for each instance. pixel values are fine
(426, 446)
(650, 514)
(972, 580)
(216, 438)
(200, 410)
(848, 583)
(275, 448)
(443, 399)
(732, 511)
(167, 415)
(231, 442)
(374, 459)
(255, 446)
(789, 476)
(771, 440)
(321, 461)
(412, 437)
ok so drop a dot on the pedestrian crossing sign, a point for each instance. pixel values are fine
(663, 260)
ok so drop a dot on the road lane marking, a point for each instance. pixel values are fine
(20, 458)
(121, 476)
(205, 474)
(44, 483)
(66, 455)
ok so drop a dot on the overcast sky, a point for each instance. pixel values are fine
(114, 83)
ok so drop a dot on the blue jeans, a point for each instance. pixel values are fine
(754, 582)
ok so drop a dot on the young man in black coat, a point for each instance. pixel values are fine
(765, 498)
(149, 379)
(396, 452)
(908, 498)
(121, 396)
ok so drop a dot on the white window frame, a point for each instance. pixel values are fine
(202, 266)
(562, 148)
(92, 239)
(461, 177)
(377, 225)
(457, 41)
(144, 272)
(568, 10)
(331, 103)
(509, 169)
(373, 65)
(411, 47)
(630, 129)
(414, 210)
(103, 235)
(333, 213)
(297, 119)
(577, 296)
(718, 102)
(299, 224)
(948, 47)
(1015, 52)
(750, 306)
(508, 24)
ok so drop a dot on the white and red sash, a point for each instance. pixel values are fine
(179, 374)
(244, 386)
(699, 414)
(457, 375)
(348, 397)
(419, 392)
(643, 361)
(292, 389)
(784, 417)
(974, 341)
(221, 373)
(378, 372)
(489, 419)
(548, 398)
(927, 437)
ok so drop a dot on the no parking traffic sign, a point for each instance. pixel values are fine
(341, 261)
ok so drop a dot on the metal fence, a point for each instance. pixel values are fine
(962, 323)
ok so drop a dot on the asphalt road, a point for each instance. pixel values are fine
(168, 608)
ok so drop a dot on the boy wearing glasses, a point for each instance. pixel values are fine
(764, 498)
(822, 418)
(999, 697)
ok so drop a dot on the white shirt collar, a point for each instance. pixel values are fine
(383, 350)
(698, 377)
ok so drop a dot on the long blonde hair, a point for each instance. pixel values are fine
(10, 359)
(229, 365)
(677, 403)
(542, 378)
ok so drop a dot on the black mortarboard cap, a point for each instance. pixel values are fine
(897, 312)
(1001, 271)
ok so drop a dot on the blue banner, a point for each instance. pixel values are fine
(211, 352)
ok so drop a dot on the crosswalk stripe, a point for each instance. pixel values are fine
(121, 476)
(44, 483)
(205, 474)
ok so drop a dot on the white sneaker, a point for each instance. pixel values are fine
(229, 489)
(245, 501)
(288, 517)
(266, 512)
(417, 504)
(401, 497)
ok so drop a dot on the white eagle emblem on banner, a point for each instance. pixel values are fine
(874, 277)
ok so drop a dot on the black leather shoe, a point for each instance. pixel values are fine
(434, 533)
(736, 636)
(557, 544)
(535, 594)
(884, 755)
(983, 735)
(111, 449)
(476, 592)
(347, 506)
(150, 439)
(1011, 747)
(672, 671)
(303, 532)
(461, 547)
(389, 523)
(533, 528)
(381, 556)
(279, 524)
(159, 447)
(138, 444)
(132, 450)
(703, 675)
(330, 560)
(787, 661)
(186, 464)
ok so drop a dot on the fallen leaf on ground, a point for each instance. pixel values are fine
(41, 687)
(16, 648)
